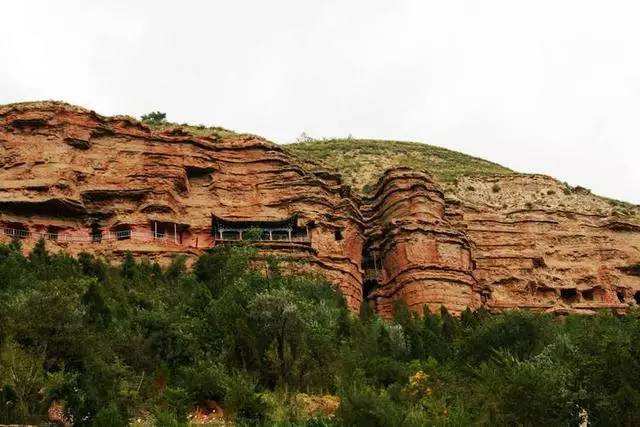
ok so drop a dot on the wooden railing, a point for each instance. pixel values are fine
(107, 236)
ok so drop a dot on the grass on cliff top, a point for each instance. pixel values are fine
(195, 130)
(362, 161)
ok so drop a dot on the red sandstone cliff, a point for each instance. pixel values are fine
(111, 185)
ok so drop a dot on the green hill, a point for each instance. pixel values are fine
(361, 161)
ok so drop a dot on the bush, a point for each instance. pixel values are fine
(109, 416)
(531, 392)
(367, 407)
(495, 188)
(242, 399)
(155, 117)
(521, 334)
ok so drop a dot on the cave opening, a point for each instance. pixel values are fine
(53, 233)
(569, 295)
(588, 294)
(636, 297)
(632, 270)
(538, 263)
(96, 232)
(368, 287)
(338, 234)
(620, 295)
(122, 232)
(16, 230)
(371, 262)
(485, 296)
(167, 231)
(198, 172)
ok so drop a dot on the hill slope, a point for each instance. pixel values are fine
(476, 181)
(361, 161)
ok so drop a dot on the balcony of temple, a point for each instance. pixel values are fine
(259, 230)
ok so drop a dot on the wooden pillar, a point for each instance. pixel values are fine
(270, 234)
(175, 233)
(155, 229)
(289, 234)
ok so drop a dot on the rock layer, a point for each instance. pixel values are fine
(111, 185)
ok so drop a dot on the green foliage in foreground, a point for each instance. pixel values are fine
(113, 342)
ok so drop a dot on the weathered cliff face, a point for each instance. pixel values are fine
(539, 245)
(419, 256)
(111, 185)
(77, 178)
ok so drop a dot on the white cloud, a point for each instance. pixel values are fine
(548, 86)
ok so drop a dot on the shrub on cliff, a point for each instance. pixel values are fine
(155, 117)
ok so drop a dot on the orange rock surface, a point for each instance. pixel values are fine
(109, 185)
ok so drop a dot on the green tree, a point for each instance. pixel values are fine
(155, 117)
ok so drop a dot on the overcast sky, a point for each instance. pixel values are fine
(550, 87)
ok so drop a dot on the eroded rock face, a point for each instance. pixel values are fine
(111, 185)
(420, 257)
(548, 249)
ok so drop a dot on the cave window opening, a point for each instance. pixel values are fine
(620, 295)
(230, 235)
(636, 297)
(338, 235)
(538, 263)
(17, 230)
(371, 264)
(280, 235)
(53, 233)
(569, 296)
(588, 294)
(122, 232)
(167, 231)
(96, 233)
(368, 287)
(485, 296)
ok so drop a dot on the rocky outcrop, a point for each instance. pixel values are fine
(419, 257)
(111, 185)
(539, 245)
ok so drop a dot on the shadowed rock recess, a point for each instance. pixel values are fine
(111, 185)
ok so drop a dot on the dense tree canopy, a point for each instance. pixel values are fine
(112, 342)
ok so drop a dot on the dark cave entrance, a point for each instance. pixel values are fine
(53, 233)
(588, 294)
(368, 287)
(96, 233)
(569, 296)
(122, 232)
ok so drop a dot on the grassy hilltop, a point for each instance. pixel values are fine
(361, 161)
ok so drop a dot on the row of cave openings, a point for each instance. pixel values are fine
(573, 295)
(158, 230)
(222, 230)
